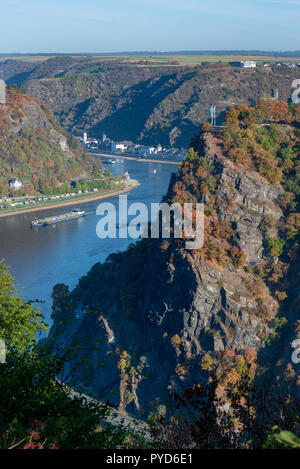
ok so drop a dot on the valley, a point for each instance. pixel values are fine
(149, 104)
(155, 325)
(180, 317)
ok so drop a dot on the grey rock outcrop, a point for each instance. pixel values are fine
(168, 307)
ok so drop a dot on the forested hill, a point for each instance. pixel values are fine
(36, 149)
(146, 102)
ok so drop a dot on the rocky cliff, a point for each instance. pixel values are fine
(152, 105)
(159, 318)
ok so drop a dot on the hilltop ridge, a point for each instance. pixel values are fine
(140, 100)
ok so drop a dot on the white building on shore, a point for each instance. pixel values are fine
(146, 151)
(118, 146)
(89, 142)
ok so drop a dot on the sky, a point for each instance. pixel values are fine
(65, 26)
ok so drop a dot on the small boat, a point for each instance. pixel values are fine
(154, 171)
(75, 213)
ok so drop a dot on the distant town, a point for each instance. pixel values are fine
(253, 64)
(111, 147)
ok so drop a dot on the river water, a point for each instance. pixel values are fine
(62, 253)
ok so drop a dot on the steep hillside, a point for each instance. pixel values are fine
(161, 318)
(35, 148)
(15, 71)
(146, 103)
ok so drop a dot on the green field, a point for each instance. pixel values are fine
(164, 59)
(198, 59)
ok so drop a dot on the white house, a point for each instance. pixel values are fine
(248, 64)
(15, 184)
(89, 142)
(146, 151)
(118, 146)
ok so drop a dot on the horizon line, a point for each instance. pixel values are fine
(156, 52)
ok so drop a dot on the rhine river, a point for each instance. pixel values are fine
(62, 253)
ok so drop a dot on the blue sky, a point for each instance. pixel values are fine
(127, 25)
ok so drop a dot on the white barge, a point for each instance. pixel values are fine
(75, 213)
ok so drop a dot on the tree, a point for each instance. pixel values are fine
(239, 414)
(36, 409)
(280, 111)
(239, 156)
(19, 321)
(238, 257)
(206, 127)
(275, 246)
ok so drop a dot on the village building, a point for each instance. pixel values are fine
(118, 146)
(15, 184)
(248, 64)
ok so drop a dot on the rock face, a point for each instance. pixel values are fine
(158, 309)
(252, 197)
(35, 118)
(153, 105)
(142, 103)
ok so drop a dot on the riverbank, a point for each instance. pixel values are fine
(65, 252)
(131, 184)
(133, 158)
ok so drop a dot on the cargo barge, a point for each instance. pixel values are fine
(75, 213)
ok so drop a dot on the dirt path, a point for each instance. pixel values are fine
(138, 427)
